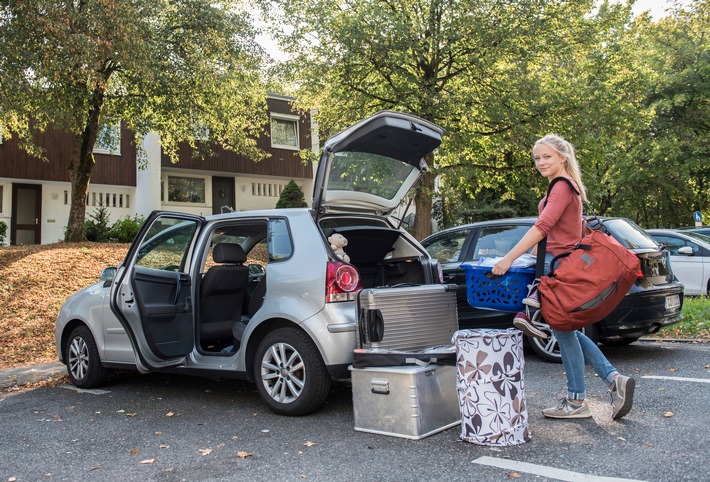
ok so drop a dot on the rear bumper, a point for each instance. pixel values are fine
(642, 313)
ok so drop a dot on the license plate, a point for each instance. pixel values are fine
(672, 302)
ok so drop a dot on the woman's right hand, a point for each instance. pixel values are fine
(502, 266)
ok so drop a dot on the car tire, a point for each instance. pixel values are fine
(290, 374)
(548, 349)
(619, 341)
(82, 358)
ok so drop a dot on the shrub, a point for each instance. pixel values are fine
(291, 197)
(96, 228)
(3, 232)
(125, 229)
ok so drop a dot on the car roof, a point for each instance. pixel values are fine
(684, 234)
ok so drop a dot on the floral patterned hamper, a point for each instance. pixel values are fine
(490, 386)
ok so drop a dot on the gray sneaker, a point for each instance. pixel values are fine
(622, 396)
(567, 409)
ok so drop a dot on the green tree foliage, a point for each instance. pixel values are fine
(291, 197)
(174, 67)
(497, 75)
(669, 168)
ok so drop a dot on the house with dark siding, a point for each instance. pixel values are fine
(35, 194)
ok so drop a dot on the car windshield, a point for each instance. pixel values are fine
(367, 173)
(630, 234)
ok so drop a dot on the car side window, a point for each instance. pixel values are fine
(166, 244)
(280, 245)
(496, 241)
(447, 248)
(674, 244)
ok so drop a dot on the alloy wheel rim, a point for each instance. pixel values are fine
(78, 358)
(283, 373)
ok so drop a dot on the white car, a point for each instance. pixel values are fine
(690, 258)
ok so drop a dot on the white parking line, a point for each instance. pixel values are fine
(545, 471)
(679, 379)
(92, 391)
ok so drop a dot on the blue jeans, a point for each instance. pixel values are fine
(577, 349)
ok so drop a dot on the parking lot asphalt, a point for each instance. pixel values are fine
(181, 428)
(20, 376)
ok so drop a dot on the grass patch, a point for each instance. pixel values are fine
(695, 323)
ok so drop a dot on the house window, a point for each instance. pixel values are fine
(186, 189)
(202, 132)
(108, 139)
(284, 131)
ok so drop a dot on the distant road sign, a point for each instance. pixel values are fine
(698, 218)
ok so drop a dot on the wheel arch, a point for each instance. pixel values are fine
(67, 331)
(259, 334)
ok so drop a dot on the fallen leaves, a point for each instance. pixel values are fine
(149, 461)
(243, 455)
(204, 452)
(34, 282)
(668, 414)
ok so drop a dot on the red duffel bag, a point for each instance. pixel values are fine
(588, 282)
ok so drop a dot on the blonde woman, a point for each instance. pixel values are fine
(560, 220)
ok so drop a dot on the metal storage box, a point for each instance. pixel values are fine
(406, 401)
(408, 317)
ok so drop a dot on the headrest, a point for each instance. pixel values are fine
(231, 253)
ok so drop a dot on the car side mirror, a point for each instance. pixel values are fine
(686, 250)
(108, 274)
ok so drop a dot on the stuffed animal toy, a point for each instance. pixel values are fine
(337, 241)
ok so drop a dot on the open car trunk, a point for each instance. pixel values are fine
(383, 256)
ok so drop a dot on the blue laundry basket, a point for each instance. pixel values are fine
(505, 293)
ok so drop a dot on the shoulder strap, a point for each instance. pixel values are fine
(555, 181)
(542, 245)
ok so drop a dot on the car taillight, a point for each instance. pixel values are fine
(639, 273)
(342, 282)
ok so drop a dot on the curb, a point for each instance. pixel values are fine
(674, 340)
(32, 374)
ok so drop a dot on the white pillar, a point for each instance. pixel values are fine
(147, 197)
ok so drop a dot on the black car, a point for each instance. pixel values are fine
(653, 302)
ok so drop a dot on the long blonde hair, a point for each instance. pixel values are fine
(565, 149)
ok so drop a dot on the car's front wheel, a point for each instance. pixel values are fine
(290, 374)
(548, 349)
(83, 362)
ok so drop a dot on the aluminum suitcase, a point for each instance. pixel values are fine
(411, 402)
(407, 317)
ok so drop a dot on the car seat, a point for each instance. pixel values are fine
(222, 293)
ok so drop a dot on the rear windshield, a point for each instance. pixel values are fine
(629, 234)
(367, 173)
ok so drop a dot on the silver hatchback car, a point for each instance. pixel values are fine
(261, 295)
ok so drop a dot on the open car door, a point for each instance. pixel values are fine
(152, 293)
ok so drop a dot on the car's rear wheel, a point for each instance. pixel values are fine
(619, 341)
(83, 362)
(290, 374)
(548, 349)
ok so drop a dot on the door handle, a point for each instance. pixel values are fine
(36, 221)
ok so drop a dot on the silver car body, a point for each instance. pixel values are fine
(145, 316)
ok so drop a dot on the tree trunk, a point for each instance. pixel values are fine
(80, 167)
(423, 204)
